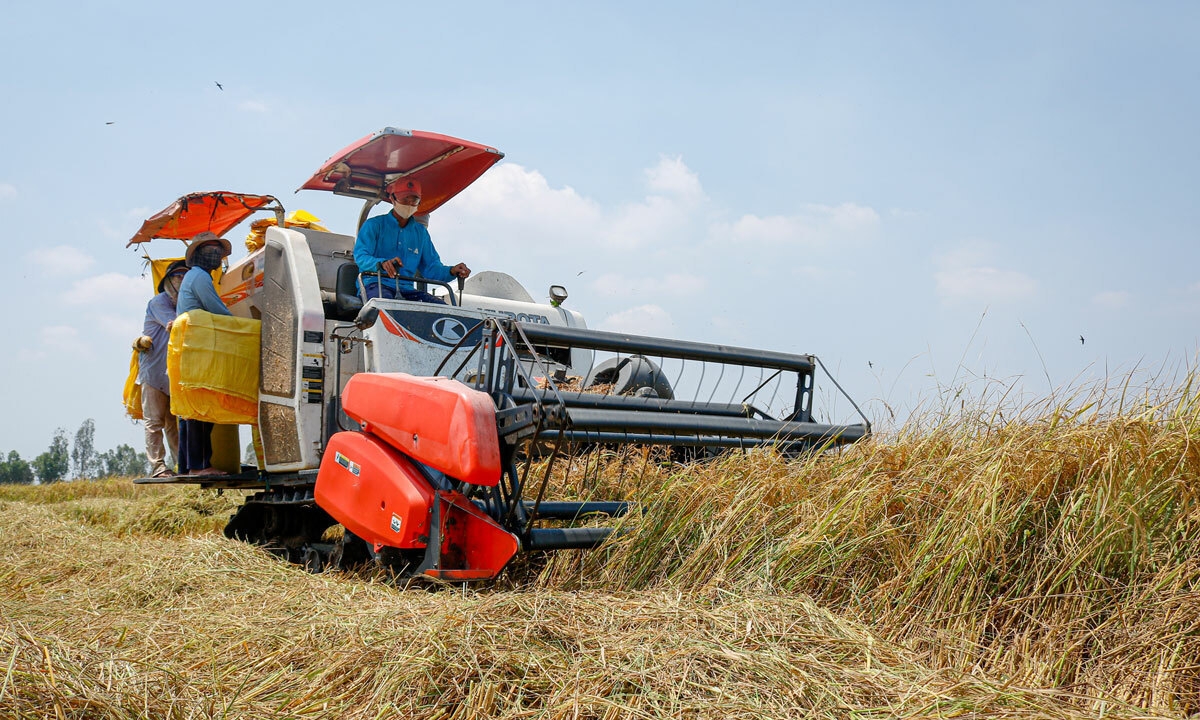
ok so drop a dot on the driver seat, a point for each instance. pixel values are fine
(344, 303)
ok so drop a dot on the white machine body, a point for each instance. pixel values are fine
(292, 286)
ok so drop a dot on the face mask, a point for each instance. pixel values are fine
(172, 286)
(208, 257)
(404, 211)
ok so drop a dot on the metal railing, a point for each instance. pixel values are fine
(418, 283)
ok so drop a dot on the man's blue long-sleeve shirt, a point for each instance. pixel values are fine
(381, 238)
(196, 292)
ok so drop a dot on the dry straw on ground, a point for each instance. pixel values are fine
(979, 567)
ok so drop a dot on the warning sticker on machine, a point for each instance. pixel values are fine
(395, 523)
(347, 463)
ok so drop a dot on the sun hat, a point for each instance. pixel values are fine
(179, 267)
(202, 238)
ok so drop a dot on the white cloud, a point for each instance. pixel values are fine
(60, 260)
(773, 230)
(847, 216)
(672, 177)
(7, 191)
(813, 226)
(1111, 299)
(641, 320)
(255, 106)
(510, 192)
(559, 221)
(513, 209)
(657, 221)
(669, 242)
(970, 274)
(110, 291)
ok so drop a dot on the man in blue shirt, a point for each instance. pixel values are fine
(152, 371)
(396, 244)
(196, 292)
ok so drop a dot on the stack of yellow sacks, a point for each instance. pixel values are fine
(213, 364)
(297, 218)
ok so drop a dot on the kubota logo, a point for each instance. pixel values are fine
(449, 330)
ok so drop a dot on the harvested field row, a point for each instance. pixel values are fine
(96, 625)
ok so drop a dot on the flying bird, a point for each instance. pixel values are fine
(870, 364)
(219, 85)
(580, 273)
(1080, 339)
(109, 123)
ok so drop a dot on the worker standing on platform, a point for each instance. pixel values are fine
(152, 372)
(198, 293)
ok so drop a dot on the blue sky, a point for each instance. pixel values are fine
(943, 190)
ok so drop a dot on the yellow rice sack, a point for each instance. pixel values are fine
(213, 364)
(132, 396)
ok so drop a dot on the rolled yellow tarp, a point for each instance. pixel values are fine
(213, 364)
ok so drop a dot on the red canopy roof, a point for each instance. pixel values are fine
(442, 164)
(192, 214)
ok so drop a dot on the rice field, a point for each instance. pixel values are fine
(1041, 563)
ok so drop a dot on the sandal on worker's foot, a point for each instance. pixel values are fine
(163, 474)
(207, 472)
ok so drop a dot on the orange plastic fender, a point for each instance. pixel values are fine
(438, 421)
(469, 544)
(374, 491)
(377, 493)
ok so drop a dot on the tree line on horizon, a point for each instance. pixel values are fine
(64, 460)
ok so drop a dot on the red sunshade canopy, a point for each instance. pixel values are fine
(443, 165)
(191, 214)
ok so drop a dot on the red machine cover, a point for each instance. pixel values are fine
(374, 491)
(438, 421)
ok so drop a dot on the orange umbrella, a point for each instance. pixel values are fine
(192, 214)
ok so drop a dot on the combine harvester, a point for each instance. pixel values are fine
(412, 424)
